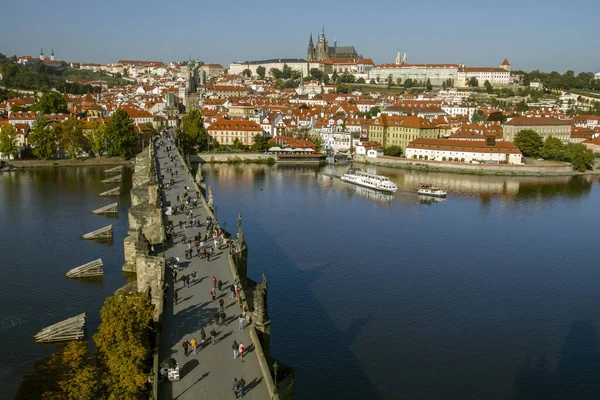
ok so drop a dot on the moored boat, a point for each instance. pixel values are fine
(369, 180)
(430, 190)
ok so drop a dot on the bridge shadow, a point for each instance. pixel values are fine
(577, 375)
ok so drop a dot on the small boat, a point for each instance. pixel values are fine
(433, 191)
(372, 181)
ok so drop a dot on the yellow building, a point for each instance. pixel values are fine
(392, 130)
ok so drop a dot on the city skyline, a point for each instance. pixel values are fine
(546, 40)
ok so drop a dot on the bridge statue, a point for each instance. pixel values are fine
(210, 196)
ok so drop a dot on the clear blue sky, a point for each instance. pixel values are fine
(546, 35)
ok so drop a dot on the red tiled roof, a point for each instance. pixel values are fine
(477, 146)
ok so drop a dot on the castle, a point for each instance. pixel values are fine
(322, 51)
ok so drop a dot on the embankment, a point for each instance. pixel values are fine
(232, 158)
(474, 169)
(78, 162)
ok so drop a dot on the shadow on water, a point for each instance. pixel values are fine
(577, 375)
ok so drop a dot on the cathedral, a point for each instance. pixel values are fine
(322, 51)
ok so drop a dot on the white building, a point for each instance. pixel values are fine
(455, 110)
(465, 151)
(369, 148)
(436, 73)
(296, 64)
(338, 142)
(496, 76)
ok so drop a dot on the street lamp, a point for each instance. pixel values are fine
(275, 369)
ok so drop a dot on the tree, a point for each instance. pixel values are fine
(408, 83)
(43, 138)
(247, 73)
(372, 81)
(522, 106)
(428, 84)
(473, 82)
(390, 81)
(51, 103)
(393, 151)
(341, 88)
(334, 77)
(72, 139)
(316, 74)
(529, 142)
(96, 135)
(579, 156)
(276, 73)
(361, 80)
(286, 72)
(123, 342)
(553, 149)
(374, 111)
(260, 71)
(120, 134)
(8, 140)
(488, 86)
(192, 132)
(260, 143)
(478, 116)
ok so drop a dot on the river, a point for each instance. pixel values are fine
(490, 294)
(43, 213)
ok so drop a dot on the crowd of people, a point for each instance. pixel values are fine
(203, 245)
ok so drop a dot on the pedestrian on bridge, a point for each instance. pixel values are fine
(236, 349)
(213, 293)
(202, 336)
(194, 344)
(185, 346)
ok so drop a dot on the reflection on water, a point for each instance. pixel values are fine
(396, 297)
(430, 199)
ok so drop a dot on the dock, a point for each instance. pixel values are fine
(93, 268)
(70, 329)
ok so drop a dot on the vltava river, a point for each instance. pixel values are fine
(491, 294)
(43, 213)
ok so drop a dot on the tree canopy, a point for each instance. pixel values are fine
(579, 156)
(260, 71)
(71, 134)
(120, 134)
(50, 103)
(43, 138)
(553, 149)
(192, 133)
(529, 142)
(8, 140)
(260, 143)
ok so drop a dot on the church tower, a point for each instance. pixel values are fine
(42, 54)
(311, 50)
(399, 58)
(322, 47)
(52, 55)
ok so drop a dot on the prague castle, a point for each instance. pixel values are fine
(322, 51)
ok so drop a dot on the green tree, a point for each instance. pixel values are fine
(341, 88)
(193, 133)
(529, 142)
(316, 74)
(393, 151)
(286, 72)
(8, 140)
(390, 81)
(238, 145)
(334, 77)
(473, 82)
(43, 138)
(247, 73)
(51, 103)
(579, 156)
(478, 116)
(372, 81)
(260, 143)
(553, 149)
(488, 86)
(123, 342)
(408, 83)
(96, 135)
(374, 111)
(72, 139)
(428, 84)
(120, 134)
(276, 73)
(522, 106)
(361, 80)
(260, 71)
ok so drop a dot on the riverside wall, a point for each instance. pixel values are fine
(463, 168)
(146, 232)
(253, 294)
(230, 157)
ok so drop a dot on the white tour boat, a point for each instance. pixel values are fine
(429, 190)
(372, 181)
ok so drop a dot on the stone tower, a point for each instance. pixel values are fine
(311, 50)
(52, 55)
(322, 47)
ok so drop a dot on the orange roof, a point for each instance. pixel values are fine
(234, 125)
(537, 121)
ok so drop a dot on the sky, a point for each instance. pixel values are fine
(545, 35)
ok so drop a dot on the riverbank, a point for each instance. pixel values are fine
(562, 169)
(79, 162)
(233, 158)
